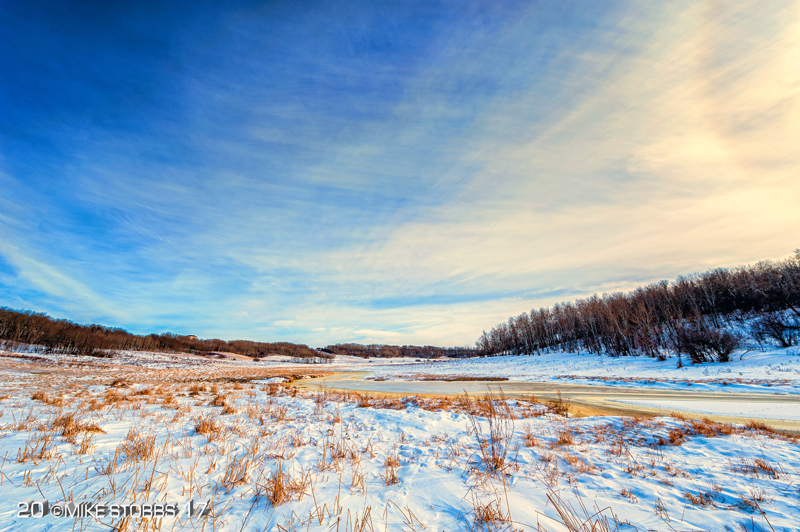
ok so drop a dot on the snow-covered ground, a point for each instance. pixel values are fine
(740, 409)
(271, 458)
(161, 360)
(770, 371)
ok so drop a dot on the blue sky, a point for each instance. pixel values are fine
(393, 172)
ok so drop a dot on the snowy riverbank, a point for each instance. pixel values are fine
(271, 458)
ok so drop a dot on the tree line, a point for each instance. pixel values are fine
(63, 336)
(705, 316)
(395, 351)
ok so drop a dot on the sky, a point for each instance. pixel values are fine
(409, 172)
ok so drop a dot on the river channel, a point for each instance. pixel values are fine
(586, 399)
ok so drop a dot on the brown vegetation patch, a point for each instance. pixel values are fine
(429, 377)
(281, 488)
(651, 380)
(70, 425)
(207, 426)
(57, 401)
(525, 407)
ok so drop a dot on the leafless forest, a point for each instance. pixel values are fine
(705, 317)
(64, 336)
(391, 351)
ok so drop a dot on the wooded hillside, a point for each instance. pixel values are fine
(26, 327)
(704, 316)
(393, 351)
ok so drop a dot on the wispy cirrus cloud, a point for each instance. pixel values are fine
(408, 174)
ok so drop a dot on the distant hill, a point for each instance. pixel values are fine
(27, 327)
(394, 351)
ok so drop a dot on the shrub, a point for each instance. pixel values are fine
(778, 328)
(494, 442)
(703, 343)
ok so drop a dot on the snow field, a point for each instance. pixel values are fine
(738, 409)
(769, 371)
(270, 458)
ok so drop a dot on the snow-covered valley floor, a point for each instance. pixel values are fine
(270, 457)
(769, 371)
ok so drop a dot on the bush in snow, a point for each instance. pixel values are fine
(704, 343)
(777, 327)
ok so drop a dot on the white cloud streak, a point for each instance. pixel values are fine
(663, 142)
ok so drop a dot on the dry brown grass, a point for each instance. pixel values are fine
(699, 427)
(430, 377)
(488, 515)
(753, 500)
(494, 441)
(756, 467)
(94, 405)
(113, 397)
(168, 400)
(581, 519)
(207, 426)
(238, 469)
(528, 437)
(218, 400)
(579, 465)
(759, 427)
(524, 407)
(197, 388)
(390, 466)
(138, 447)
(561, 406)
(39, 396)
(281, 488)
(564, 436)
(38, 448)
(547, 458)
(703, 499)
(639, 431)
(57, 401)
(26, 421)
(70, 425)
(336, 416)
(86, 445)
